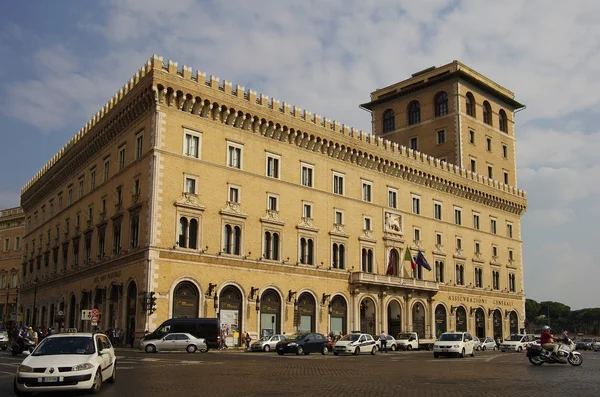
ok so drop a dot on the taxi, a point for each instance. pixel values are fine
(78, 361)
(355, 343)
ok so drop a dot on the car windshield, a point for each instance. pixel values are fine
(265, 338)
(404, 336)
(587, 340)
(514, 338)
(350, 337)
(451, 337)
(298, 336)
(65, 345)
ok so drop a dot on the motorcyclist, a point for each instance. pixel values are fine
(547, 341)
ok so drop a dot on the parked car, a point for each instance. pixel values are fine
(61, 362)
(205, 328)
(454, 343)
(355, 343)
(488, 344)
(391, 343)
(517, 342)
(266, 343)
(178, 341)
(476, 344)
(585, 344)
(596, 346)
(3, 337)
(303, 343)
(411, 341)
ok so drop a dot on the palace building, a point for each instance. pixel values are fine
(12, 222)
(188, 196)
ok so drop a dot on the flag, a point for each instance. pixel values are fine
(421, 261)
(390, 268)
(408, 257)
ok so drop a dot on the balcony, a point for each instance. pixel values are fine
(118, 208)
(135, 198)
(393, 281)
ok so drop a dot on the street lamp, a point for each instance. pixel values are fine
(34, 296)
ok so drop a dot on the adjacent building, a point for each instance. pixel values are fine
(12, 222)
(188, 196)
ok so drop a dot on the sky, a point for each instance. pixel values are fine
(62, 60)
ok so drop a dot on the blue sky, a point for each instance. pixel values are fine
(63, 60)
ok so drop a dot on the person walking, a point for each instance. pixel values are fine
(248, 340)
(383, 341)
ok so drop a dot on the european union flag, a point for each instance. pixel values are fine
(421, 261)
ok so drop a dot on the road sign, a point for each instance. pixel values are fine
(94, 323)
(86, 315)
(94, 316)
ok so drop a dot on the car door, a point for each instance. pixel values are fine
(103, 357)
(182, 341)
(168, 342)
(469, 344)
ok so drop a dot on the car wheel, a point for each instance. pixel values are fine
(191, 349)
(267, 348)
(496, 348)
(409, 347)
(520, 349)
(113, 376)
(483, 347)
(373, 351)
(356, 351)
(299, 351)
(150, 349)
(280, 353)
(462, 353)
(18, 392)
(436, 355)
(95, 389)
(473, 353)
(393, 348)
(324, 350)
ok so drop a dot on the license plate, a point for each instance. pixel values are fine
(444, 350)
(52, 379)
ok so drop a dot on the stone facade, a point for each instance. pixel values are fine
(226, 203)
(11, 237)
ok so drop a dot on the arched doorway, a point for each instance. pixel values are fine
(72, 311)
(395, 259)
(394, 314)
(186, 300)
(497, 322)
(367, 316)
(441, 324)
(231, 315)
(114, 306)
(131, 311)
(480, 323)
(270, 313)
(337, 315)
(513, 320)
(461, 319)
(418, 315)
(307, 309)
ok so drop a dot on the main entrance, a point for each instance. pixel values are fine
(231, 315)
(394, 318)
(514, 323)
(418, 315)
(307, 310)
(461, 319)
(186, 300)
(337, 316)
(497, 322)
(440, 320)
(270, 313)
(480, 323)
(367, 316)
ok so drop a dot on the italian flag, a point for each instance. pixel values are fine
(408, 257)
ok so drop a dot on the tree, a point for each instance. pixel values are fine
(532, 309)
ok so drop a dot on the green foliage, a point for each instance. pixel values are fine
(560, 317)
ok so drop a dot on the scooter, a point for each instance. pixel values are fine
(20, 344)
(565, 354)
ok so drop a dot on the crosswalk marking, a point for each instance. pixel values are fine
(150, 359)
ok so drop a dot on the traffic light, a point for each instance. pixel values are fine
(152, 303)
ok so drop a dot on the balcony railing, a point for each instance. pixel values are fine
(393, 281)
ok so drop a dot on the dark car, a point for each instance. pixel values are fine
(303, 343)
(205, 328)
(585, 344)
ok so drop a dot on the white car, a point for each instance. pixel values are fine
(179, 341)
(266, 343)
(488, 344)
(390, 344)
(61, 362)
(454, 343)
(596, 346)
(517, 342)
(355, 343)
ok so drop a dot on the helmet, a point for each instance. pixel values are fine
(546, 328)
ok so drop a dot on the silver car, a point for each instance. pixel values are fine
(266, 343)
(175, 342)
(488, 344)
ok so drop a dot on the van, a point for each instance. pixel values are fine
(207, 328)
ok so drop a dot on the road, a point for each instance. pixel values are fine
(393, 374)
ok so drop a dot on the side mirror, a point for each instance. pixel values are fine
(26, 352)
(100, 352)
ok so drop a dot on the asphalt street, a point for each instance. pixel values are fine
(393, 374)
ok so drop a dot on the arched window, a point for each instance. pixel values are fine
(364, 260)
(339, 255)
(275, 246)
(470, 100)
(303, 250)
(441, 104)
(183, 229)
(232, 240)
(227, 239)
(439, 271)
(186, 300)
(502, 123)
(306, 251)
(342, 256)
(193, 234)
(395, 261)
(487, 113)
(389, 123)
(414, 113)
(271, 246)
(237, 240)
(310, 251)
(335, 255)
(370, 261)
(267, 246)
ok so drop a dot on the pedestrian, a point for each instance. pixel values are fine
(383, 341)
(248, 340)
(132, 336)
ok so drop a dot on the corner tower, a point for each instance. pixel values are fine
(453, 113)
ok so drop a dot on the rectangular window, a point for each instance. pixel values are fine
(414, 143)
(473, 165)
(92, 178)
(80, 189)
(272, 202)
(505, 151)
(489, 143)
(472, 137)
(509, 230)
(506, 177)
(191, 145)
(417, 235)
(438, 240)
(234, 155)
(190, 185)
(51, 209)
(457, 216)
(392, 198)
(477, 247)
(338, 183)
(511, 255)
(139, 146)
(475, 221)
(490, 172)
(339, 217)
(307, 175)
(416, 205)
(6, 244)
(273, 166)
(307, 210)
(69, 196)
(367, 191)
(106, 169)
(367, 223)
(134, 231)
(441, 137)
(121, 158)
(17, 243)
(494, 251)
(437, 210)
(493, 225)
(234, 194)
(101, 242)
(459, 243)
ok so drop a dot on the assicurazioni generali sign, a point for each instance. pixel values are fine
(481, 301)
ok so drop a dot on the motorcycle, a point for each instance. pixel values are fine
(565, 354)
(20, 344)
